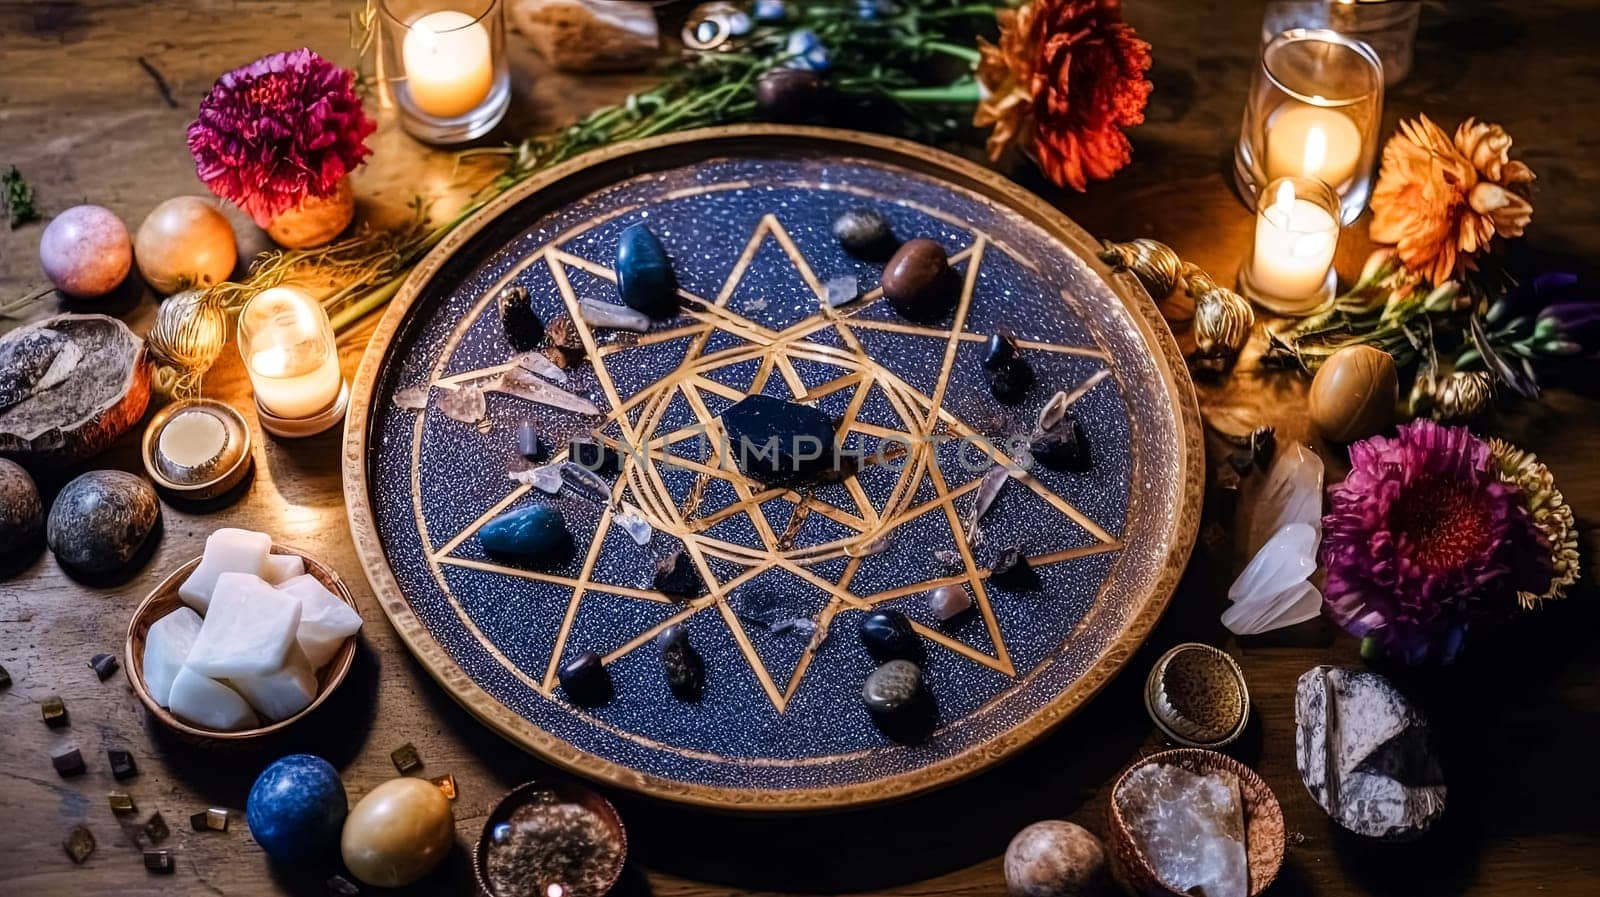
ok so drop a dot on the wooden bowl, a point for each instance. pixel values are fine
(1263, 823)
(163, 600)
(568, 792)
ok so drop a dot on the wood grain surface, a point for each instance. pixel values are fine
(85, 117)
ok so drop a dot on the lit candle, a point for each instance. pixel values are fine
(289, 351)
(449, 69)
(1312, 142)
(1295, 240)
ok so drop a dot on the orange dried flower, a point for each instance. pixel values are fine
(1442, 201)
(1065, 80)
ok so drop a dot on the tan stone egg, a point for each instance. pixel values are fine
(398, 833)
(1056, 859)
(1354, 394)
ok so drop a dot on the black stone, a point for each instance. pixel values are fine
(21, 512)
(644, 273)
(523, 328)
(888, 636)
(585, 680)
(892, 687)
(1012, 571)
(919, 282)
(677, 577)
(590, 452)
(104, 665)
(159, 861)
(103, 521)
(5, 678)
(779, 442)
(530, 444)
(1000, 350)
(864, 233)
(123, 766)
(686, 672)
(790, 95)
(1062, 447)
(69, 763)
(156, 828)
(1010, 382)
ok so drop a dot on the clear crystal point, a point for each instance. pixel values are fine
(1288, 558)
(1292, 493)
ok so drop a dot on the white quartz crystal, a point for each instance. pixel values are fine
(280, 568)
(209, 703)
(248, 630)
(1288, 558)
(1296, 604)
(227, 551)
(325, 621)
(283, 692)
(1189, 827)
(166, 647)
(1292, 493)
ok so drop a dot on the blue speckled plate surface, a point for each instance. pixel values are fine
(745, 214)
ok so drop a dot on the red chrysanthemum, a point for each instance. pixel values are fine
(282, 128)
(1422, 536)
(1067, 77)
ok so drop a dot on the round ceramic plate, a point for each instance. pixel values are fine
(745, 214)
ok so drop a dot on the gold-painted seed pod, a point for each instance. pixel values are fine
(1222, 318)
(185, 340)
(1155, 264)
(1463, 395)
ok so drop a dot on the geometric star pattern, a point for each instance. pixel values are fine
(734, 529)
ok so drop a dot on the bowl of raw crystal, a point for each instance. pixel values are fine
(242, 641)
(550, 838)
(1192, 821)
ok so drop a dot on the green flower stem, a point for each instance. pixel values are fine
(963, 91)
(967, 53)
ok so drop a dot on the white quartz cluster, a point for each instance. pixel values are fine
(247, 647)
(1189, 827)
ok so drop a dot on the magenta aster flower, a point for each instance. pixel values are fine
(1422, 537)
(282, 128)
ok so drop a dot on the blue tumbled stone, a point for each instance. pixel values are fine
(536, 533)
(644, 273)
(296, 808)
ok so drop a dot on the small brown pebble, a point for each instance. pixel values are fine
(123, 766)
(158, 861)
(406, 759)
(445, 783)
(919, 282)
(1056, 859)
(155, 828)
(789, 95)
(104, 665)
(79, 844)
(55, 711)
(69, 763)
(121, 802)
(949, 602)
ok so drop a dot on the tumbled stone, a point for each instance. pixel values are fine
(585, 680)
(841, 290)
(919, 282)
(949, 602)
(644, 273)
(864, 233)
(677, 577)
(1189, 827)
(521, 323)
(888, 635)
(1009, 383)
(79, 844)
(530, 442)
(1366, 754)
(1054, 858)
(1000, 350)
(156, 829)
(685, 671)
(777, 441)
(893, 687)
(612, 317)
(1062, 447)
(104, 665)
(789, 94)
(102, 521)
(1012, 571)
(21, 513)
(534, 534)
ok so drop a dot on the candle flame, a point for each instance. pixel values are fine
(555, 890)
(1283, 203)
(1316, 150)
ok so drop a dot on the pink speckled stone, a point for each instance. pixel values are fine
(86, 251)
(1056, 859)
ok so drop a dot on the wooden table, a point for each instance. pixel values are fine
(83, 114)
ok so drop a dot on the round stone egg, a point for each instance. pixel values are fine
(1056, 859)
(101, 521)
(21, 513)
(85, 251)
(398, 833)
(296, 808)
(1353, 394)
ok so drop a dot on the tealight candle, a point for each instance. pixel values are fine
(1297, 230)
(449, 69)
(289, 352)
(1312, 142)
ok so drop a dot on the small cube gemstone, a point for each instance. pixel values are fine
(121, 802)
(158, 861)
(155, 828)
(447, 784)
(55, 711)
(69, 763)
(104, 665)
(79, 844)
(406, 759)
(214, 819)
(122, 765)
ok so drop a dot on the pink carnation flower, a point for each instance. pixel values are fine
(1421, 537)
(282, 128)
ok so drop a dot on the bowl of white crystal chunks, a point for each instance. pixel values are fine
(241, 641)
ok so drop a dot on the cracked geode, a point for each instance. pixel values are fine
(1189, 827)
(1365, 754)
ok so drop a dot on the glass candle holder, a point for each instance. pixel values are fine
(1315, 105)
(289, 352)
(1388, 26)
(1290, 268)
(444, 63)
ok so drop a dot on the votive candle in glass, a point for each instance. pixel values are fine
(288, 347)
(445, 67)
(1388, 26)
(1314, 110)
(1290, 270)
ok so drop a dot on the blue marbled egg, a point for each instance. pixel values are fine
(296, 808)
(537, 534)
(644, 273)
